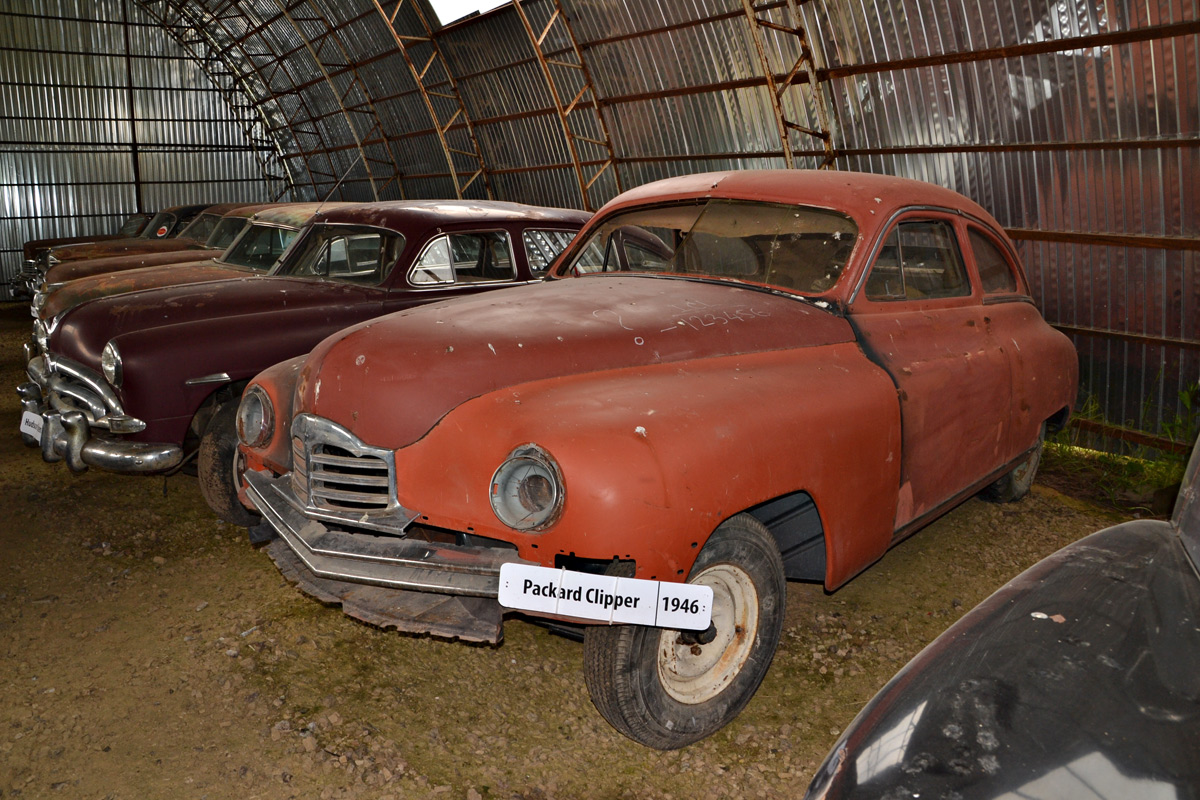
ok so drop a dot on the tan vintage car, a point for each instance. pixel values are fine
(729, 380)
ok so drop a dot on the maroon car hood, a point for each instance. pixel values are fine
(89, 267)
(124, 247)
(390, 380)
(134, 280)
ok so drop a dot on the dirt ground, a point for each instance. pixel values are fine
(147, 651)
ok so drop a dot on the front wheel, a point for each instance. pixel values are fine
(667, 688)
(218, 466)
(1016, 483)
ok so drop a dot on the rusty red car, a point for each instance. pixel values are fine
(148, 381)
(728, 381)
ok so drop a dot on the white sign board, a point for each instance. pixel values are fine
(605, 598)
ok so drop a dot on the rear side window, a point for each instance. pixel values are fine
(542, 247)
(920, 260)
(995, 273)
(465, 258)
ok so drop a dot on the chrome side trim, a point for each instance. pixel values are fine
(216, 377)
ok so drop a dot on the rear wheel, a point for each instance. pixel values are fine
(219, 467)
(1016, 484)
(668, 688)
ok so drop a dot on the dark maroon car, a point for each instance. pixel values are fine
(142, 381)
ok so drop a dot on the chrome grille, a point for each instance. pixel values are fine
(335, 472)
(340, 479)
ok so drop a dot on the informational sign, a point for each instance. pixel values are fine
(31, 424)
(605, 598)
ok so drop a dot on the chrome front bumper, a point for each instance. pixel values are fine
(387, 579)
(82, 420)
(376, 559)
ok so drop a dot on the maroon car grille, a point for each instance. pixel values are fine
(338, 479)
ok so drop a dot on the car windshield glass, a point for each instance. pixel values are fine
(350, 255)
(259, 246)
(225, 232)
(201, 227)
(160, 226)
(791, 247)
(133, 225)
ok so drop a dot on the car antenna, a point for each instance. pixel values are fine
(345, 175)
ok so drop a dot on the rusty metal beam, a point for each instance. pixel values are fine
(1136, 338)
(403, 44)
(1146, 34)
(1132, 436)
(1147, 241)
(800, 75)
(585, 182)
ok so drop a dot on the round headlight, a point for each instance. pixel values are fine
(527, 490)
(41, 335)
(110, 364)
(255, 418)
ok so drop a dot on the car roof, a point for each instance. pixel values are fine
(402, 214)
(294, 215)
(862, 194)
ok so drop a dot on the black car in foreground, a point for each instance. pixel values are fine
(1078, 679)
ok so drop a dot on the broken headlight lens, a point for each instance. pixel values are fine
(527, 490)
(255, 418)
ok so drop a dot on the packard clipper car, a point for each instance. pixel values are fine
(729, 380)
(1075, 680)
(142, 381)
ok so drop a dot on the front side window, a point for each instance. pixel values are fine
(351, 256)
(919, 260)
(994, 271)
(201, 227)
(259, 246)
(792, 247)
(542, 247)
(224, 232)
(464, 258)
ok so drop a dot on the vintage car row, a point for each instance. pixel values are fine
(82, 277)
(131, 226)
(142, 380)
(727, 381)
(1075, 680)
(166, 224)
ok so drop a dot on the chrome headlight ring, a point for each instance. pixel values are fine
(41, 335)
(255, 418)
(527, 490)
(110, 364)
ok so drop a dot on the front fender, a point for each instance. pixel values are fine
(655, 458)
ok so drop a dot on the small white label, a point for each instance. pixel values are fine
(605, 598)
(31, 424)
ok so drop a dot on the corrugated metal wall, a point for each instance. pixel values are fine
(1076, 122)
(105, 115)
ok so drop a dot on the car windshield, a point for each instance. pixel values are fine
(259, 246)
(201, 227)
(160, 226)
(133, 225)
(345, 254)
(224, 232)
(797, 248)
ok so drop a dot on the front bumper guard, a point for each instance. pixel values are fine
(426, 587)
(80, 420)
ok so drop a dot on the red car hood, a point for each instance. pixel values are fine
(390, 380)
(133, 280)
(90, 267)
(129, 246)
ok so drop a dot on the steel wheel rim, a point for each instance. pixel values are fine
(692, 673)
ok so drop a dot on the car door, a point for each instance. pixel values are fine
(919, 314)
